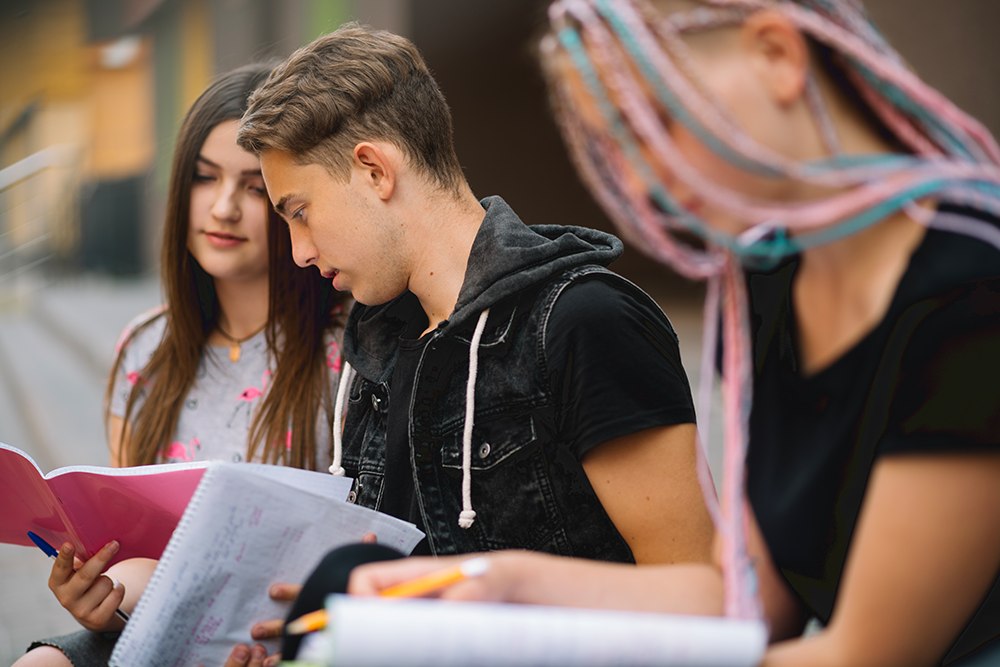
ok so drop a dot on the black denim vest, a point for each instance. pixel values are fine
(528, 489)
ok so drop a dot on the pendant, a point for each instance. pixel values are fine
(234, 352)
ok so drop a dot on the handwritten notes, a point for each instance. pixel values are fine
(240, 533)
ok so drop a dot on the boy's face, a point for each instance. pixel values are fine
(341, 228)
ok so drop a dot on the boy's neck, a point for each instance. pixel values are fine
(442, 241)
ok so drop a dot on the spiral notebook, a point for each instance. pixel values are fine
(433, 633)
(240, 533)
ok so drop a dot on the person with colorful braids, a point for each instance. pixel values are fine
(847, 219)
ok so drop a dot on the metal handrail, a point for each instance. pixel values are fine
(20, 256)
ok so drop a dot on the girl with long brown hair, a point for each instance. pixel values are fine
(223, 247)
(238, 364)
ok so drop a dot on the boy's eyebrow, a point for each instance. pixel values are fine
(282, 204)
(245, 172)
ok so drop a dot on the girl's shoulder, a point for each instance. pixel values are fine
(959, 252)
(145, 330)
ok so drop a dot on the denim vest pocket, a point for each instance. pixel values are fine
(512, 488)
(492, 443)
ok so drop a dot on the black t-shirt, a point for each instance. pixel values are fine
(398, 498)
(614, 365)
(614, 369)
(923, 380)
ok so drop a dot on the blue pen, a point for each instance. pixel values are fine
(52, 553)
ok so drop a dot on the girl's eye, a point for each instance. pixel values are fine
(258, 190)
(200, 177)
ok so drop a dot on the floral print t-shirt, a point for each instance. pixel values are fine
(215, 421)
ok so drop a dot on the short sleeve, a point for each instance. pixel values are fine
(947, 397)
(614, 364)
(135, 347)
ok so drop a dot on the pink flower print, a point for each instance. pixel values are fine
(133, 378)
(333, 358)
(252, 393)
(179, 451)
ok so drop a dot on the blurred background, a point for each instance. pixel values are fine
(91, 95)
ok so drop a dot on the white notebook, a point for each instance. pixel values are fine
(241, 532)
(364, 632)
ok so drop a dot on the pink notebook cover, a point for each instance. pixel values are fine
(92, 505)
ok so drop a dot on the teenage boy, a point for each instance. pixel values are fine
(503, 389)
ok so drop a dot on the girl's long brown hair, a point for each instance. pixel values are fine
(303, 307)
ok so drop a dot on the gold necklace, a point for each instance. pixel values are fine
(234, 343)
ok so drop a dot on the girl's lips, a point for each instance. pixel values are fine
(221, 240)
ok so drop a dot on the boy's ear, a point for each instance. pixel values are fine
(377, 168)
(780, 53)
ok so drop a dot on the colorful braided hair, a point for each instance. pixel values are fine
(630, 63)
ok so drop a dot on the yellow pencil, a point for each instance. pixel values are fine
(435, 581)
(474, 567)
(311, 622)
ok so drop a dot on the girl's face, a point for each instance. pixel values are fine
(227, 232)
(750, 76)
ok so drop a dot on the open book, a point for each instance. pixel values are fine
(364, 631)
(89, 506)
(240, 533)
(140, 506)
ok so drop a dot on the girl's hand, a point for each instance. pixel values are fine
(496, 584)
(90, 596)
(525, 577)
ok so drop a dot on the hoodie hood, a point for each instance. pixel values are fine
(508, 256)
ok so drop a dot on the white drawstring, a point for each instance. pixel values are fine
(467, 516)
(346, 374)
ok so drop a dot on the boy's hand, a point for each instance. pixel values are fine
(256, 656)
(271, 629)
(245, 656)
